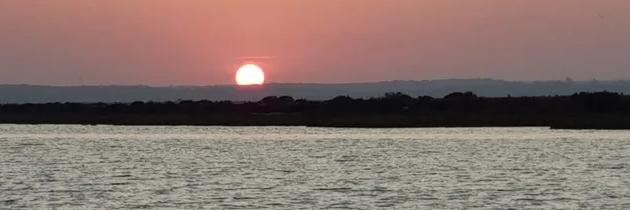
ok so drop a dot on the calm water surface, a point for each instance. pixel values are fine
(118, 167)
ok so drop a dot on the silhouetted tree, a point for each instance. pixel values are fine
(589, 110)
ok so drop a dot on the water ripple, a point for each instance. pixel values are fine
(118, 167)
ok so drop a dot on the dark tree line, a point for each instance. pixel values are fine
(580, 110)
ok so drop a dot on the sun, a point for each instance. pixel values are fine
(250, 74)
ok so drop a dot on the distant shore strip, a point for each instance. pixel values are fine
(586, 110)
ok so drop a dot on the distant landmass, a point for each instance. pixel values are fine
(433, 88)
(600, 110)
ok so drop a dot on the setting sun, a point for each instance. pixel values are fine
(250, 74)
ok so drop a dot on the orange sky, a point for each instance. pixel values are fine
(199, 42)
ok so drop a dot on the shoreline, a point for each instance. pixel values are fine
(551, 127)
(601, 110)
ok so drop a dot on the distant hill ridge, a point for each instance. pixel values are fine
(312, 91)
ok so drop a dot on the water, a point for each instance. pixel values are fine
(110, 167)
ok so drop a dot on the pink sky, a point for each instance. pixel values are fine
(195, 42)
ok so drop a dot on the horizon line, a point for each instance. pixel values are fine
(308, 83)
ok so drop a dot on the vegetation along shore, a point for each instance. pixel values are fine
(597, 110)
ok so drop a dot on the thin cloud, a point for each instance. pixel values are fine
(256, 57)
